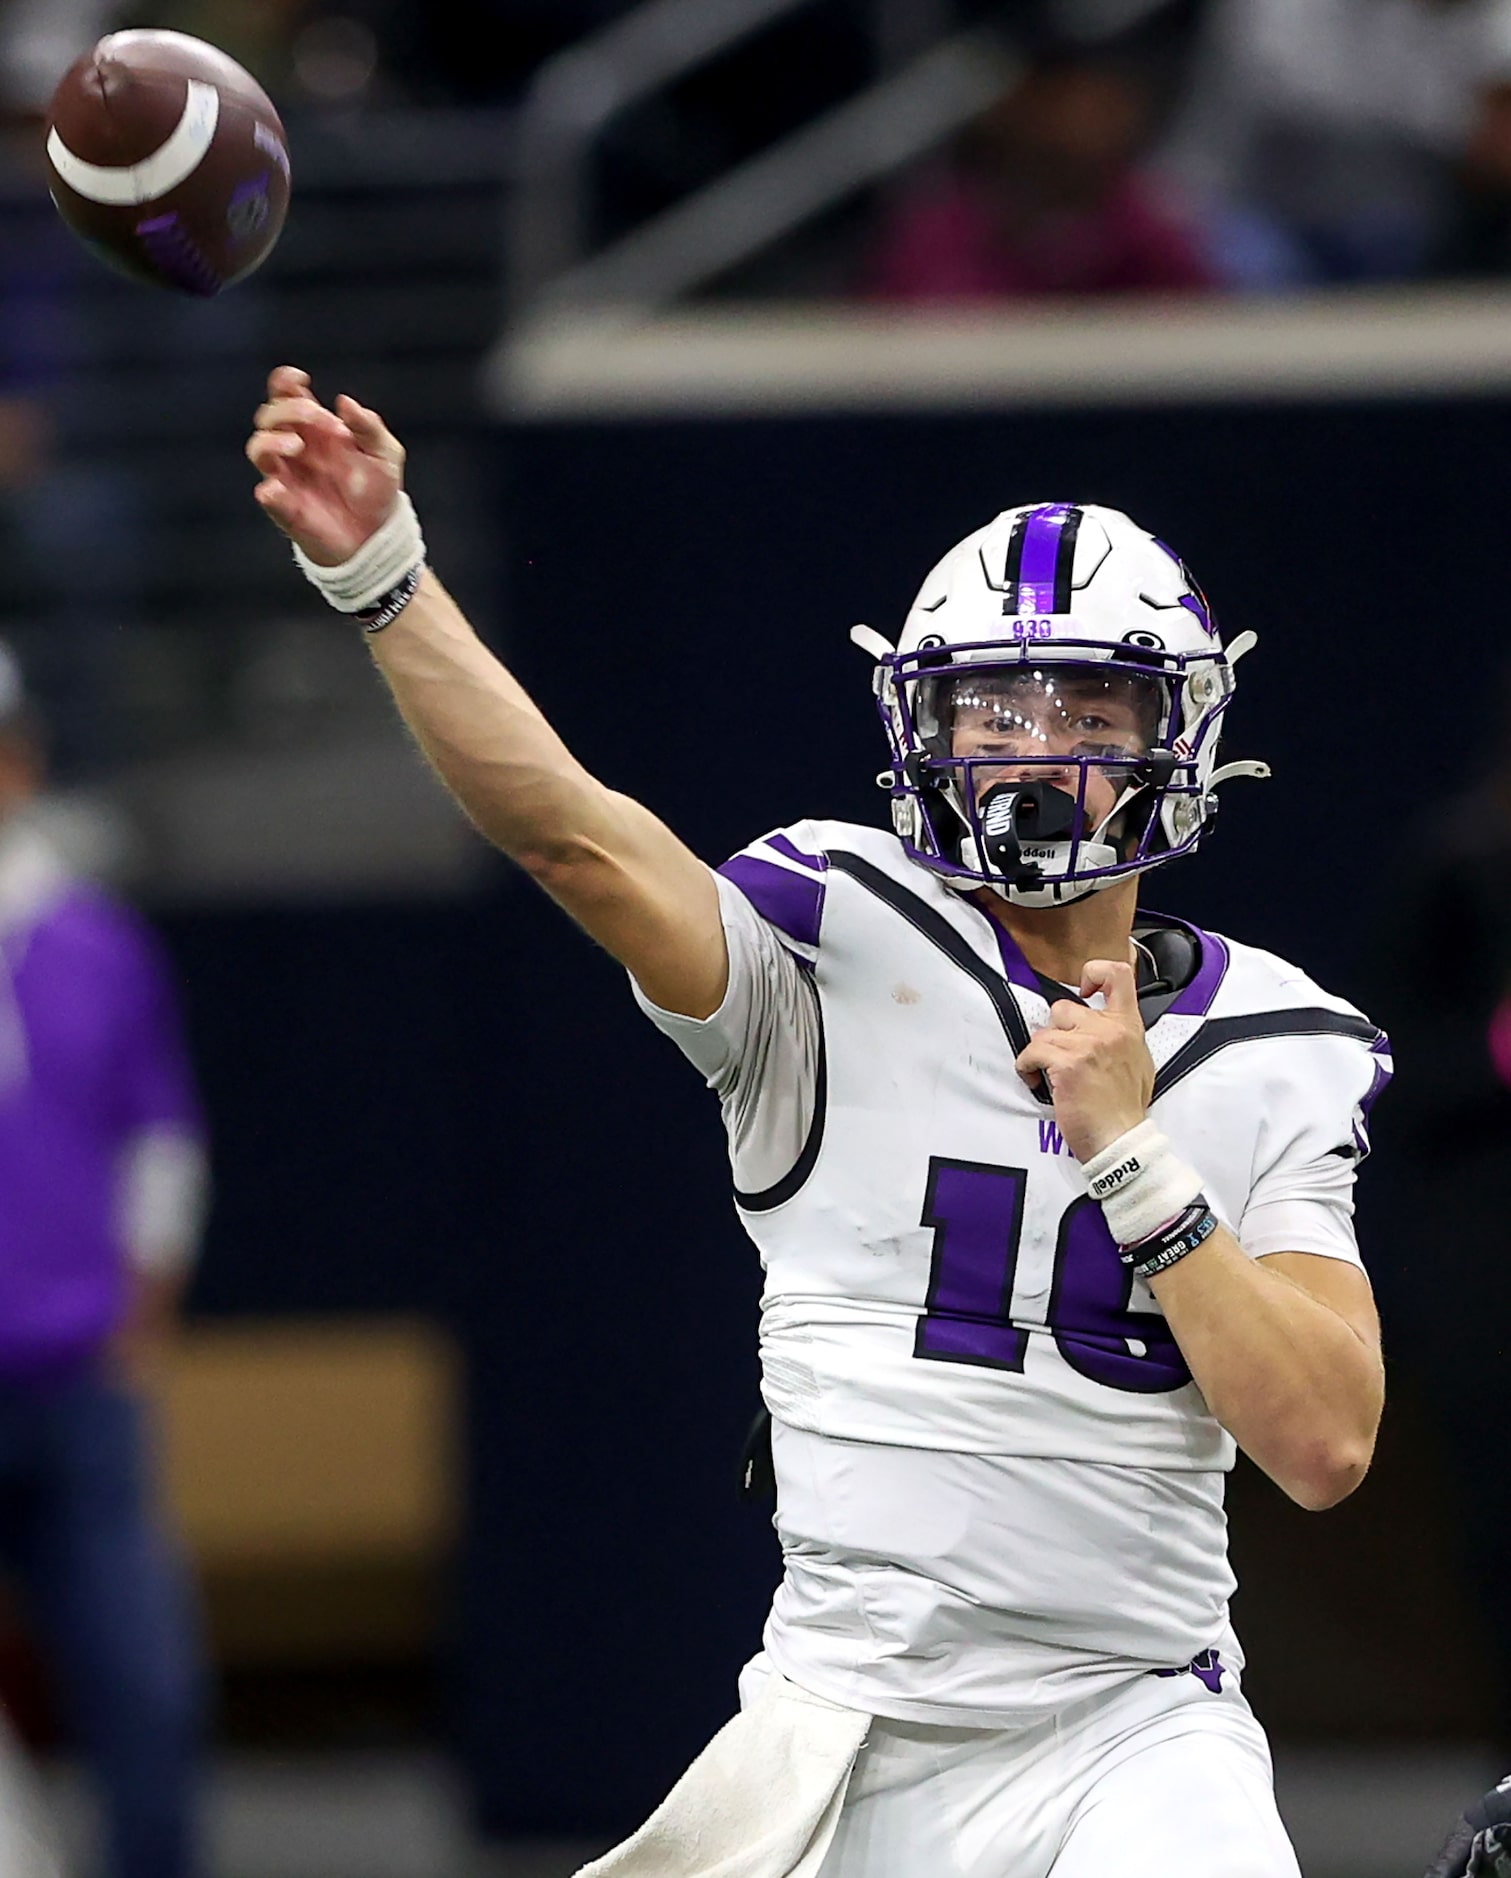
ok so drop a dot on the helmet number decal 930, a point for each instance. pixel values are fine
(1030, 628)
(976, 1212)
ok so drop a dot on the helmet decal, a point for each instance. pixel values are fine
(1041, 553)
(1196, 602)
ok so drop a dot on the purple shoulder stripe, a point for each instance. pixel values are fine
(791, 902)
(794, 853)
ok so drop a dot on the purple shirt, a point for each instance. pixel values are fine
(91, 1057)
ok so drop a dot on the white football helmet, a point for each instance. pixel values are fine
(1059, 642)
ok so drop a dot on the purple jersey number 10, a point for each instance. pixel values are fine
(976, 1211)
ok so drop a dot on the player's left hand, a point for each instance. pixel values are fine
(1479, 1845)
(1098, 1062)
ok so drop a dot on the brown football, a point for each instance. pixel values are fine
(168, 160)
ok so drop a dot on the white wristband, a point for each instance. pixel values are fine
(387, 555)
(1141, 1182)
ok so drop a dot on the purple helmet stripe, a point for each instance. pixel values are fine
(1040, 581)
(1065, 561)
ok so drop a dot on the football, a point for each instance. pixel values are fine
(168, 160)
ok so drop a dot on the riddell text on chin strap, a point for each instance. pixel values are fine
(1015, 813)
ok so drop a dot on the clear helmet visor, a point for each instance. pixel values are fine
(1039, 762)
(1028, 718)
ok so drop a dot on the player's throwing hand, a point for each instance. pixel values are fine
(329, 476)
(1098, 1062)
(1479, 1845)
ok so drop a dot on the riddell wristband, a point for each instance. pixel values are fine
(1142, 1184)
(387, 557)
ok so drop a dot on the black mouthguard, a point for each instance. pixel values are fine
(1015, 813)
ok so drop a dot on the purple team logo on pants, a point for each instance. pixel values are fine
(1207, 1668)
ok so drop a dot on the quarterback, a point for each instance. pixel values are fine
(1053, 1197)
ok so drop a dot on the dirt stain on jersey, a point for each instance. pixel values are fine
(905, 994)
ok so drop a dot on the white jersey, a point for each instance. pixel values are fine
(998, 1486)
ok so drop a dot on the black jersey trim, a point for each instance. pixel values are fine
(803, 1166)
(939, 932)
(1218, 1033)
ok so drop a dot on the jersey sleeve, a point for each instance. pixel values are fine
(1314, 1135)
(163, 1169)
(761, 1050)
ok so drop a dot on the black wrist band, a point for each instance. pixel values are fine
(1171, 1243)
(374, 618)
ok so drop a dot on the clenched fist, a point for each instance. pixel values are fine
(1097, 1062)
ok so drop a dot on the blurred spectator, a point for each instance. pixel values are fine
(1321, 138)
(1043, 196)
(1477, 236)
(1442, 972)
(101, 1183)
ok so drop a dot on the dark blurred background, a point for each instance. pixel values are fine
(709, 324)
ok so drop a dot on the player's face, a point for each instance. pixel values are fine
(1048, 713)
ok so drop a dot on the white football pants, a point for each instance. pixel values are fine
(1163, 1778)
(1160, 1779)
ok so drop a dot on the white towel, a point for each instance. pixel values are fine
(761, 1801)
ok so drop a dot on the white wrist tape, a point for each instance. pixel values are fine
(1141, 1183)
(378, 565)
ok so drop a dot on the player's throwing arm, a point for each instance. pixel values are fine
(332, 479)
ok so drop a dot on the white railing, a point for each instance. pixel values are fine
(578, 93)
(756, 204)
(930, 81)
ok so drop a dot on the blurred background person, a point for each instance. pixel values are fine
(102, 1184)
(1476, 237)
(1328, 140)
(1044, 194)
